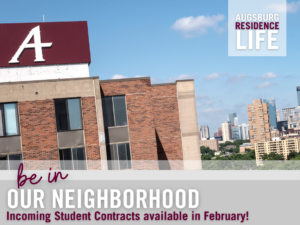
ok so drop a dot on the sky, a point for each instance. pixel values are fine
(170, 40)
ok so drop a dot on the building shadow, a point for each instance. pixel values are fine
(163, 162)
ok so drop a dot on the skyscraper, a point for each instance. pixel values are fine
(298, 95)
(219, 131)
(286, 112)
(236, 121)
(259, 122)
(272, 112)
(244, 130)
(236, 133)
(205, 132)
(231, 117)
(226, 131)
(277, 115)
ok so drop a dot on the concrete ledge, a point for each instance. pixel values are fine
(163, 84)
(124, 79)
(186, 96)
(190, 134)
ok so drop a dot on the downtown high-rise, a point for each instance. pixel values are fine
(259, 122)
(272, 112)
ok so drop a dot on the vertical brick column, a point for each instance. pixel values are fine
(92, 147)
(167, 125)
(140, 119)
(38, 131)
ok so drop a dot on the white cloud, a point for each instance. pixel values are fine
(237, 78)
(269, 75)
(190, 26)
(212, 76)
(212, 110)
(265, 85)
(291, 7)
(118, 76)
(181, 77)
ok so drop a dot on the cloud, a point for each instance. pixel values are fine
(212, 76)
(265, 85)
(190, 26)
(118, 76)
(291, 7)
(181, 77)
(212, 110)
(269, 75)
(237, 78)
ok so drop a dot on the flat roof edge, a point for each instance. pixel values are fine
(184, 80)
(163, 84)
(124, 79)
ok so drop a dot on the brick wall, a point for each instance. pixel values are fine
(38, 130)
(167, 125)
(140, 119)
(153, 120)
(92, 147)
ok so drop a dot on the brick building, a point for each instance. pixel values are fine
(213, 144)
(55, 112)
(259, 122)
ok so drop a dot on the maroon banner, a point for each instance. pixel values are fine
(30, 44)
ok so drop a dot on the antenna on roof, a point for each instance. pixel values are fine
(43, 18)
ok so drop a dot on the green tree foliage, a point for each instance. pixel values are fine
(206, 157)
(272, 156)
(207, 151)
(293, 156)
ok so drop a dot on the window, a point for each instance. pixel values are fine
(68, 114)
(72, 159)
(9, 119)
(114, 111)
(10, 162)
(119, 156)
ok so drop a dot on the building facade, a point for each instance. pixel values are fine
(286, 112)
(204, 130)
(53, 113)
(298, 95)
(244, 131)
(236, 133)
(282, 147)
(213, 144)
(272, 112)
(259, 122)
(277, 115)
(226, 131)
(220, 131)
(231, 117)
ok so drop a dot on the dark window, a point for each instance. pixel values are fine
(119, 156)
(68, 114)
(114, 111)
(10, 162)
(9, 119)
(108, 112)
(72, 159)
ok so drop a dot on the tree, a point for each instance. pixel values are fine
(272, 156)
(292, 155)
(206, 157)
(206, 150)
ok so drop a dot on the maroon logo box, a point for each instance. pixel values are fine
(70, 43)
